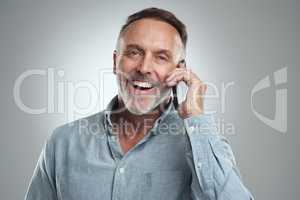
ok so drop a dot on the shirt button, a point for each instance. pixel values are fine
(113, 138)
(121, 170)
(199, 165)
(192, 128)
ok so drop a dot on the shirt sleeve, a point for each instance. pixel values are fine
(42, 184)
(215, 175)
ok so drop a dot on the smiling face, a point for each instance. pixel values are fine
(147, 51)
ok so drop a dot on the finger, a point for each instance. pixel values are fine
(171, 83)
(190, 77)
(183, 75)
(175, 79)
(174, 73)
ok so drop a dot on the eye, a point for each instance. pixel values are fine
(162, 57)
(133, 53)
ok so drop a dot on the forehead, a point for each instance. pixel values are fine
(152, 34)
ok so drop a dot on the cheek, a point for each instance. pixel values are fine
(127, 65)
(163, 72)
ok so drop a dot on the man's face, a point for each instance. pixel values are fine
(147, 51)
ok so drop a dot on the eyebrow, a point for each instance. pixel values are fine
(135, 46)
(165, 51)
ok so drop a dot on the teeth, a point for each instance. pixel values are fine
(142, 84)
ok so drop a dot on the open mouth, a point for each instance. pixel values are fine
(142, 85)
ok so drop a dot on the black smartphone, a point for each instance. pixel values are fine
(175, 99)
(174, 89)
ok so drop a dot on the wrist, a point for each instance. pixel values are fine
(185, 114)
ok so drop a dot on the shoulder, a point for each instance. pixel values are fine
(92, 125)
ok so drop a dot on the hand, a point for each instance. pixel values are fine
(193, 103)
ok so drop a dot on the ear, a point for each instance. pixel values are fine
(114, 61)
(181, 64)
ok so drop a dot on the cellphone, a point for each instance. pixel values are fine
(175, 99)
(174, 89)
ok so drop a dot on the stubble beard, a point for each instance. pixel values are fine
(131, 101)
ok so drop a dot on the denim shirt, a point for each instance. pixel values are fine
(178, 159)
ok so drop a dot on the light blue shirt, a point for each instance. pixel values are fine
(178, 159)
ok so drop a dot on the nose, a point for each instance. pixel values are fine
(146, 65)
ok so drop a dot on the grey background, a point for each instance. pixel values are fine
(229, 41)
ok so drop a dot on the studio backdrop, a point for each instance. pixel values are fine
(56, 67)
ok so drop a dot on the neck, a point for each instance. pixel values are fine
(132, 128)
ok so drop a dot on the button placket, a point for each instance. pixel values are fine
(118, 181)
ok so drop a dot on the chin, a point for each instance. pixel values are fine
(140, 105)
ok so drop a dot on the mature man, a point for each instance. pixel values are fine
(142, 146)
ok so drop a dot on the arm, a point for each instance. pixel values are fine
(42, 184)
(214, 171)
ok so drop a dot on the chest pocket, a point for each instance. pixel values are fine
(85, 187)
(163, 185)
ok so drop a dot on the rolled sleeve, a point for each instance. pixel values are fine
(213, 162)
